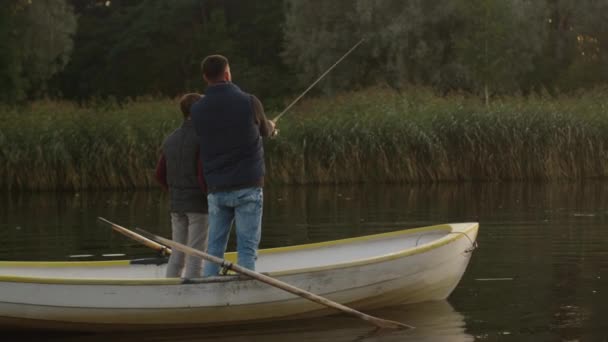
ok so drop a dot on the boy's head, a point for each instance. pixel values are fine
(186, 102)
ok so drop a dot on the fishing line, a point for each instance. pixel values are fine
(317, 81)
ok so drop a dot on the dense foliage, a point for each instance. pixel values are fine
(83, 49)
(485, 47)
(35, 44)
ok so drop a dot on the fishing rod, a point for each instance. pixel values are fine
(317, 81)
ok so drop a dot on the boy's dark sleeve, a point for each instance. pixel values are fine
(161, 172)
(260, 117)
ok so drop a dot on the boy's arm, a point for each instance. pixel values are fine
(161, 172)
(267, 127)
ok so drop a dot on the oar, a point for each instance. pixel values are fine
(164, 250)
(317, 81)
(379, 322)
(156, 242)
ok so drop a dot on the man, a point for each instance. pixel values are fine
(230, 124)
(179, 170)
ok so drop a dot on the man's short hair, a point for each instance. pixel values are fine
(213, 66)
(186, 102)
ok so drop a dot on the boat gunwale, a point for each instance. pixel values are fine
(448, 238)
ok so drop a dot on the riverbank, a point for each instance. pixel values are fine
(376, 135)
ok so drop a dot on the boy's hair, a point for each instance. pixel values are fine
(186, 102)
(213, 66)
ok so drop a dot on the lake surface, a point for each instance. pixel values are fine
(540, 273)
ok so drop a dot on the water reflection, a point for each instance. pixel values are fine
(549, 240)
(437, 322)
(55, 225)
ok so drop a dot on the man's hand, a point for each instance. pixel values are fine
(273, 130)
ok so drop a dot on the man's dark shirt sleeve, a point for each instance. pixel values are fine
(260, 117)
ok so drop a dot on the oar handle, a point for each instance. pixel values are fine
(164, 250)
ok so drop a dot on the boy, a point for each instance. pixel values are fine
(180, 172)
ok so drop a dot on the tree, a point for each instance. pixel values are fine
(578, 43)
(46, 42)
(10, 88)
(37, 45)
(141, 47)
(406, 41)
(477, 45)
(500, 43)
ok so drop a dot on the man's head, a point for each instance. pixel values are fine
(186, 102)
(216, 69)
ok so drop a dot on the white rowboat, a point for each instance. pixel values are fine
(408, 266)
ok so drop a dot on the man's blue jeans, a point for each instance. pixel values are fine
(244, 206)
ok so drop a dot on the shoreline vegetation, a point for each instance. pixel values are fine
(375, 135)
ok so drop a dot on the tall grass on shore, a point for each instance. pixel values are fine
(60, 146)
(381, 136)
(375, 135)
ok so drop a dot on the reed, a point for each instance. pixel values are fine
(381, 136)
(61, 146)
(374, 135)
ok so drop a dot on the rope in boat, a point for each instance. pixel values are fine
(473, 247)
(474, 244)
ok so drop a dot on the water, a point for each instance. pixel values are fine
(540, 274)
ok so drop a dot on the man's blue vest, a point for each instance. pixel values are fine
(231, 147)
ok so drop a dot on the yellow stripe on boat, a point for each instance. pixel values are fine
(232, 258)
(92, 281)
(51, 264)
(409, 252)
(445, 227)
